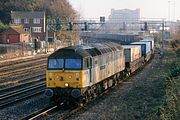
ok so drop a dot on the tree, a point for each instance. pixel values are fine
(175, 42)
(53, 8)
(177, 33)
(3, 27)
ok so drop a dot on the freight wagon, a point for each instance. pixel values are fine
(145, 49)
(133, 59)
(152, 43)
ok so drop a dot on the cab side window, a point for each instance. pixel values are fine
(87, 63)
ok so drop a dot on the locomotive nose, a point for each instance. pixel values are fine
(48, 93)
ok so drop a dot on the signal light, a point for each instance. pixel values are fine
(102, 19)
(145, 26)
(70, 26)
(85, 26)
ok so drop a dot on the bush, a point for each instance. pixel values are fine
(3, 27)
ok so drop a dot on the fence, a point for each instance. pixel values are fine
(15, 50)
(27, 49)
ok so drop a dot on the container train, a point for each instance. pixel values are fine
(101, 37)
(77, 74)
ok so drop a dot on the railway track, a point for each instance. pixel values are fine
(40, 113)
(20, 69)
(54, 111)
(26, 92)
(29, 78)
(22, 65)
(17, 72)
(25, 83)
(20, 94)
(61, 115)
(20, 61)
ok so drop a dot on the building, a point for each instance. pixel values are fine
(14, 34)
(124, 18)
(124, 15)
(33, 22)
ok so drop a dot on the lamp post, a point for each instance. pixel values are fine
(169, 6)
(174, 5)
(171, 10)
(47, 28)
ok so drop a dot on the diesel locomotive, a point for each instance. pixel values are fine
(77, 74)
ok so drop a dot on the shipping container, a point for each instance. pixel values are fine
(145, 47)
(149, 40)
(132, 52)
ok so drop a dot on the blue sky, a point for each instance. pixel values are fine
(149, 8)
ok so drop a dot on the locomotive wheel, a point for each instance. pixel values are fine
(86, 98)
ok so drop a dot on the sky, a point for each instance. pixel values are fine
(148, 8)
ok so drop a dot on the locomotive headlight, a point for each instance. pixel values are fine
(70, 76)
(50, 74)
(66, 84)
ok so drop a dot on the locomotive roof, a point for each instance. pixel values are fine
(88, 50)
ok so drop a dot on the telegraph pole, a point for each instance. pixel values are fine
(47, 28)
(55, 40)
(169, 10)
(162, 37)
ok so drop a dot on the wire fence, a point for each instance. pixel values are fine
(14, 50)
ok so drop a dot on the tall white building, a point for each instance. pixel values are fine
(123, 20)
(124, 15)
